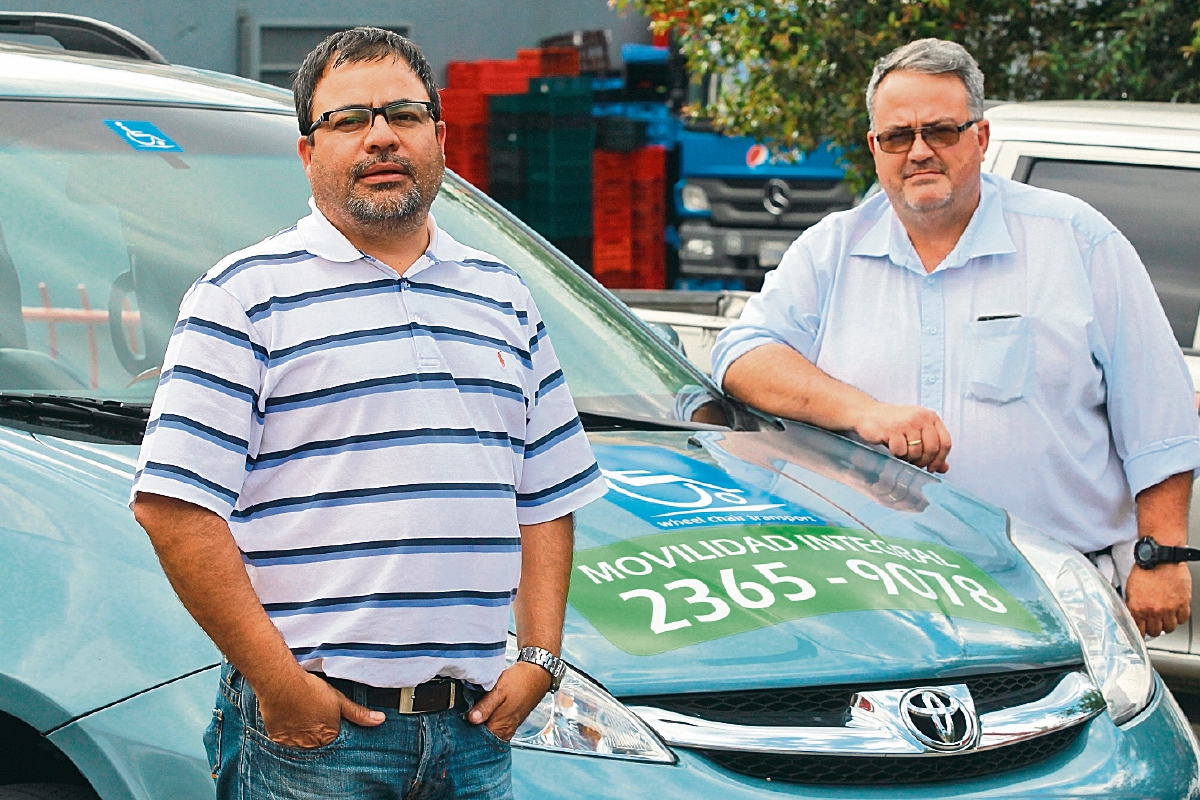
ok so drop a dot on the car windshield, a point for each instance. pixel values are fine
(108, 213)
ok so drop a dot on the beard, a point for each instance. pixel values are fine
(383, 206)
(928, 203)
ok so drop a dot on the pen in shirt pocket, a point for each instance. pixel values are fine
(998, 316)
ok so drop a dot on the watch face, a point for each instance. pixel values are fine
(1144, 551)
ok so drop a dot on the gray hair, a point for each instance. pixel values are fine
(931, 57)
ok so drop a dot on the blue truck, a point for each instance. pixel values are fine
(736, 207)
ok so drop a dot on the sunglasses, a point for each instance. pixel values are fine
(938, 137)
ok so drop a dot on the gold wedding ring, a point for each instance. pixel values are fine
(916, 443)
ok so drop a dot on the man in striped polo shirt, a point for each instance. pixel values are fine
(361, 454)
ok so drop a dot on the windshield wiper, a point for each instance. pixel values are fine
(596, 421)
(104, 419)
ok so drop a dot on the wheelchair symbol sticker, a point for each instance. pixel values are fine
(141, 135)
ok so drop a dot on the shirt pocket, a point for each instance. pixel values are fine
(997, 359)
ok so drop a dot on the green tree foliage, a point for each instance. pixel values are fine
(805, 64)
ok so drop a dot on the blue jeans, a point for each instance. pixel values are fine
(411, 756)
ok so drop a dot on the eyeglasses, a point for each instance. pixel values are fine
(942, 135)
(402, 115)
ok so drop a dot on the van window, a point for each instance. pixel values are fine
(1158, 209)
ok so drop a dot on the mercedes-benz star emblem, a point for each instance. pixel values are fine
(777, 197)
(939, 720)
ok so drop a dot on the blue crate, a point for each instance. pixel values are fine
(661, 126)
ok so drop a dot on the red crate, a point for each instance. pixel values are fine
(488, 77)
(647, 193)
(611, 165)
(466, 139)
(464, 106)
(503, 77)
(647, 226)
(462, 75)
(615, 279)
(649, 264)
(612, 253)
(546, 62)
(612, 222)
(649, 163)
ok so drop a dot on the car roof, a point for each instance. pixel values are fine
(1107, 123)
(46, 73)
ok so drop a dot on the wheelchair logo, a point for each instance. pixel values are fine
(684, 495)
(141, 135)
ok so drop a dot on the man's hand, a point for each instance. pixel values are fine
(1159, 599)
(520, 688)
(912, 433)
(308, 713)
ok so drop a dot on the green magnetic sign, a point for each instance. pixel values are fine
(658, 593)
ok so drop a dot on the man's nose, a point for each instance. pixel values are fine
(920, 150)
(381, 135)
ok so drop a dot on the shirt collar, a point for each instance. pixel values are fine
(986, 234)
(325, 241)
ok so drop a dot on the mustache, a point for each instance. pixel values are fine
(361, 167)
(911, 167)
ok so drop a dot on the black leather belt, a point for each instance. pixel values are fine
(439, 694)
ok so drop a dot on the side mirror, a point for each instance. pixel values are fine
(668, 335)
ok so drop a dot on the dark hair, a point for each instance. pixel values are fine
(350, 47)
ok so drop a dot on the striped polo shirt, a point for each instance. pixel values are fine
(374, 441)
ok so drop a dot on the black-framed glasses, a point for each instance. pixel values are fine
(942, 135)
(402, 115)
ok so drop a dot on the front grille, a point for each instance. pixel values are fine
(1008, 689)
(794, 185)
(893, 771)
(830, 705)
(817, 706)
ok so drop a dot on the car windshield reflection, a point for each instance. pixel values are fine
(100, 241)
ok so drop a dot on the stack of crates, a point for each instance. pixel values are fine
(550, 62)
(465, 110)
(649, 217)
(540, 153)
(661, 127)
(629, 218)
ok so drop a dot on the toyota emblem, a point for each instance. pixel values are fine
(777, 197)
(939, 720)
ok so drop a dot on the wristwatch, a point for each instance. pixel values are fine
(547, 661)
(1148, 553)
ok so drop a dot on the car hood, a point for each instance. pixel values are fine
(88, 616)
(90, 619)
(736, 560)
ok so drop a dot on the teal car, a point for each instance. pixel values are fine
(757, 608)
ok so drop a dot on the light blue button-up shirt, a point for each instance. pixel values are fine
(1039, 341)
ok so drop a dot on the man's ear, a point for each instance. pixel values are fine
(440, 127)
(871, 142)
(304, 149)
(983, 131)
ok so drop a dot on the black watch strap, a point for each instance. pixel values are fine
(1148, 553)
(1174, 555)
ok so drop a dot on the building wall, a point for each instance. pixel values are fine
(204, 33)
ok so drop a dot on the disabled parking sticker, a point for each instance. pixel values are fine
(669, 590)
(671, 491)
(142, 135)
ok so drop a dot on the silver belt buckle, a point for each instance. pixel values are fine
(406, 699)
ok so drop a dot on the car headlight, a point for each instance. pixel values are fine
(583, 718)
(1115, 652)
(693, 197)
(700, 248)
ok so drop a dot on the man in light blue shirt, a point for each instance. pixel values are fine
(1014, 322)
